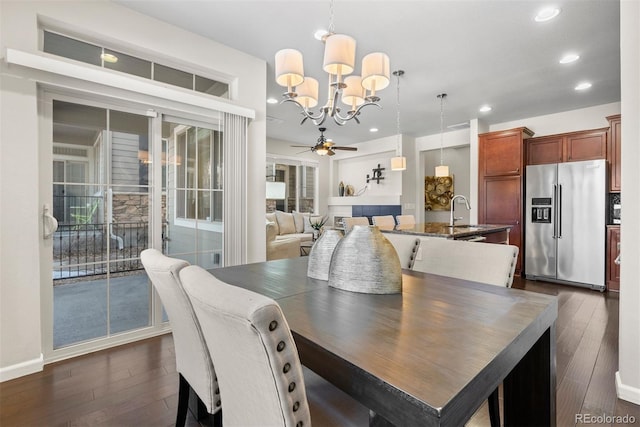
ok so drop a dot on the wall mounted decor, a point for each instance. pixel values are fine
(437, 193)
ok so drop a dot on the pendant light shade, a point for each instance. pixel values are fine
(442, 170)
(398, 163)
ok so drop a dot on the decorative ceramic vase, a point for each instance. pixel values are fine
(341, 189)
(365, 261)
(320, 255)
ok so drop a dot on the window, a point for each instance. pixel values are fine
(199, 174)
(102, 56)
(300, 184)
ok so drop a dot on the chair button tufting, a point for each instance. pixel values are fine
(300, 424)
(273, 325)
(280, 346)
(218, 403)
(217, 391)
(286, 368)
(296, 406)
(292, 386)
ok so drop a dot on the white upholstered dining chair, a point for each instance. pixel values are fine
(489, 263)
(384, 222)
(405, 219)
(193, 362)
(349, 222)
(406, 246)
(259, 371)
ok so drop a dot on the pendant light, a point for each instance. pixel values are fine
(442, 170)
(398, 163)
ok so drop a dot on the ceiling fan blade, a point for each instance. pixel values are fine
(300, 146)
(345, 148)
(331, 153)
(305, 151)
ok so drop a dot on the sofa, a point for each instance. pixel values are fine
(292, 224)
(285, 247)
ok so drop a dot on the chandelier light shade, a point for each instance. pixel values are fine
(375, 72)
(353, 94)
(308, 92)
(398, 163)
(442, 170)
(339, 62)
(339, 55)
(289, 68)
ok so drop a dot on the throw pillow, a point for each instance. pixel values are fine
(285, 222)
(298, 219)
(271, 217)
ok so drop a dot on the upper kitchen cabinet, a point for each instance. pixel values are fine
(501, 153)
(500, 181)
(614, 152)
(568, 147)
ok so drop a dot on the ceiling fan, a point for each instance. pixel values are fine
(324, 146)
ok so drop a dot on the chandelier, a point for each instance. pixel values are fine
(339, 61)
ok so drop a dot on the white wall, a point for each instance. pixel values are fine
(628, 376)
(24, 186)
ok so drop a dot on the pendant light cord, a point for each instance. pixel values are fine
(398, 74)
(442, 97)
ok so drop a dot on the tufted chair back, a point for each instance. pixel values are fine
(193, 361)
(257, 362)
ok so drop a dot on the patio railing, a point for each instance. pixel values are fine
(81, 250)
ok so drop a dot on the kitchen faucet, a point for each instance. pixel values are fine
(453, 219)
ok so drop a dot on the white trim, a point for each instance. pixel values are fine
(52, 64)
(626, 392)
(202, 225)
(21, 369)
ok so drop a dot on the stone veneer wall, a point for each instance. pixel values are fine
(133, 207)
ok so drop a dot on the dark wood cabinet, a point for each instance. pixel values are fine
(568, 147)
(613, 155)
(613, 269)
(501, 182)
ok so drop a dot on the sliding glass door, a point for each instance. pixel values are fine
(101, 193)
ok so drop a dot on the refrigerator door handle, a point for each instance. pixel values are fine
(559, 211)
(555, 220)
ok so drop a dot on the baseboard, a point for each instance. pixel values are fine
(626, 392)
(22, 368)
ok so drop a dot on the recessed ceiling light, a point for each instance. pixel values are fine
(373, 130)
(547, 14)
(583, 86)
(107, 57)
(272, 101)
(485, 109)
(569, 58)
(319, 34)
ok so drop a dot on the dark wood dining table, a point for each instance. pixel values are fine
(429, 356)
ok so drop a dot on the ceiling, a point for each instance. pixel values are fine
(477, 51)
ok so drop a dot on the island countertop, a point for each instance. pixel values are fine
(442, 229)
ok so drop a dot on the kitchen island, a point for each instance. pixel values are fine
(488, 233)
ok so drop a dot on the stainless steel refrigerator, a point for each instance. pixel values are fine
(565, 209)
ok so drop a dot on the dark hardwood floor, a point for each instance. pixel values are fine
(137, 384)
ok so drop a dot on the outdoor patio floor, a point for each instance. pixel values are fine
(80, 309)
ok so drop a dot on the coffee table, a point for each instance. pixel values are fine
(305, 247)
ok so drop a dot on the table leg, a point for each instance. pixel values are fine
(530, 389)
